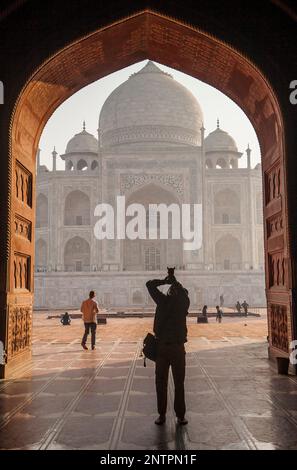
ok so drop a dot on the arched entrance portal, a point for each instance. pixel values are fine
(167, 41)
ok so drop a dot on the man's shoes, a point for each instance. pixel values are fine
(182, 421)
(161, 420)
(84, 346)
(93, 347)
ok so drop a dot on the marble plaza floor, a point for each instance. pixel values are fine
(68, 398)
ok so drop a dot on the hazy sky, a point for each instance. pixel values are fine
(86, 104)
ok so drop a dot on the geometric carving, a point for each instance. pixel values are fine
(279, 327)
(23, 184)
(275, 225)
(20, 327)
(21, 271)
(272, 184)
(22, 227)
(175, 181)
(276, 269)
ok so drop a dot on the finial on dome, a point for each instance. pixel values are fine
(84, 125)
(54, 151)
(150, 67)
(218, 123)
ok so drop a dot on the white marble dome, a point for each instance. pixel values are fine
(220, 141)
(150, 107)
(83, 142)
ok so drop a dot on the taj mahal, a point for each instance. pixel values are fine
(151, 148)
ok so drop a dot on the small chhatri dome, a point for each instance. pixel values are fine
(220, 141)
(151, 107)
(84, 142)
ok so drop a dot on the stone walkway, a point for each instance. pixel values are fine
(68, 398)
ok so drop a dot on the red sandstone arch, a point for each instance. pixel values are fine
(146, 35)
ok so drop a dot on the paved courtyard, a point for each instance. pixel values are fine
(68, 398)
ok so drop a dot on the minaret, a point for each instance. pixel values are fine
(218, 123)
(204, 194)
(202, 129)
(54, 154)
(248, 153)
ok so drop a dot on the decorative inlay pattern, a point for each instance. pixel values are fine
(129, 181)
(279, 327)
(150, 133)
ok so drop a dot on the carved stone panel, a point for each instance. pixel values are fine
(23, 184)
(277, 270)
(23, 227)
(273, 188)
(19, 330)
(275, 226)
(279, 327)
(21, 272)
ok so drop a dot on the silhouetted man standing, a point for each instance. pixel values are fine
(171, 332)
(89, 309)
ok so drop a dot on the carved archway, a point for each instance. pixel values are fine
(167, 41)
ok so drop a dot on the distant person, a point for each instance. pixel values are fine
(222, 300)
(66, 320)
(204, 314)
(238, 306)
(219, 314)
(89, 309)
(170, 329)
(245, 307)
